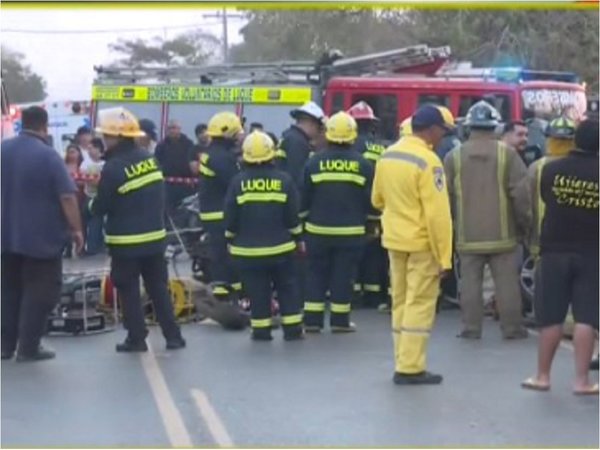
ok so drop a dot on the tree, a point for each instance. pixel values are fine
(193, 48)
(22, 84)
(306, 34)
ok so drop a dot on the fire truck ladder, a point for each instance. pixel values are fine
(415, 59)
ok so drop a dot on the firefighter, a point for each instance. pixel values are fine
(335, 205)
(263, 249)
(410, 190)
(560, 140)
(131, 196)
(295, 146)
(372, 283)
(492, 211)
(218, 166)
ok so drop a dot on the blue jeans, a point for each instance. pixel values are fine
(94, 233)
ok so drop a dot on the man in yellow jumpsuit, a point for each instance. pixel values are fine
(410, 189)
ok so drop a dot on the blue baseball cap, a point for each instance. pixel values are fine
(148, 127)
(430, 115)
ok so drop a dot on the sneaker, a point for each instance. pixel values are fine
(176, 344)
(351, 328)
(468, 334)
(40, 355)
(417, 378)
(129, 346)
(594, 363)
(384, 308)
(294, 334)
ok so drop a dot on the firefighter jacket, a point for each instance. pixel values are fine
(410, 190)
(293, 152)
(261, 213)
(556, 148)
(218, 166)
(489, 194)
(336, 195)
(131, 196)
(569, 189)
(368, 147)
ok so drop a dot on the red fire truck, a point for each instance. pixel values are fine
(394, 83)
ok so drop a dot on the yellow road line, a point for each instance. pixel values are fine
(211, 418)
(170, 415)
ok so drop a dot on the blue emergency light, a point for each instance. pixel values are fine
(517, 74)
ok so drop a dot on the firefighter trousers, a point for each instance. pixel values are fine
(260, 276)
(372, 280)
(125, 274)
(331, 268)
(224, 280)
(505, 273)
(415, 287)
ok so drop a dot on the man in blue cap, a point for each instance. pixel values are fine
(410, 190)
(147, 142)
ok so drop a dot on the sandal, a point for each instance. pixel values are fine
(591, 390)
(534, 385)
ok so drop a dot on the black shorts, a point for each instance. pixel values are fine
(564, 279)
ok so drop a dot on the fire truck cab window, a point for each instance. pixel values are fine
(500, 101)
(385, 107)
(440, 100)
(337, 102)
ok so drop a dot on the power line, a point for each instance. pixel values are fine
(224, 16)
(128, 30)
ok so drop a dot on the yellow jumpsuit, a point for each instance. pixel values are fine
(410, 190)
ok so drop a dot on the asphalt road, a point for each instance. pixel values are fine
(329, 390)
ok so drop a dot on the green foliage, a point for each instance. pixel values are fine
(22, 85)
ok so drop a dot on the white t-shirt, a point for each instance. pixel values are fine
(90, 167)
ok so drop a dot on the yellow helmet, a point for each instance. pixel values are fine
(341, 128)
(118, 122)
(225, 125)
(257, 148)
(406, 127)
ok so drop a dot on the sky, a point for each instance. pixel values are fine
(66, 61)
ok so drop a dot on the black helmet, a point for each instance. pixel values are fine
(561, 128)
(483, 115)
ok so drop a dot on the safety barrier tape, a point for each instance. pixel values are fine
(173, 180)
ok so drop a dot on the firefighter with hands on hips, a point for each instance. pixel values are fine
(410, 190)
(372, 279)
(131, 196)
(218, 165)
(335, 205)
(560, 140)
(492, 211)
(263, 230)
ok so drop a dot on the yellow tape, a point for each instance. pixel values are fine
(202, 94)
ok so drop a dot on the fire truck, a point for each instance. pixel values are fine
(394, 83)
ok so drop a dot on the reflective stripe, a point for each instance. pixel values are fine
(236, 286)
(140, 182)
(501, 152)
(486, 246)
(314, 307)
(296, 230)
(357, 287)
(541, 206)
(261, 197)
(407, 157)
(217, 215)
(206, 171)
(333, 176)
(204, 158)
(340, 308)
(90, 204)
(460, 228)
(261, 323)
(372, 287)
(281, 154)
(293, 319)
(141, 238)
(229, 234)
(417, 331)
(373, 217)
(262, 251)
(220, 290)
(372, 156)
(303, 214)
(335, 231)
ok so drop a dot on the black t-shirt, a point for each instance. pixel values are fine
(569, 189)
(173, 156)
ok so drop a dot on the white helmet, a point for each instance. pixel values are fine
(310, 109)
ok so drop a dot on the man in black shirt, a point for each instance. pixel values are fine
(568, 269)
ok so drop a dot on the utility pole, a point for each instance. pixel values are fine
(224, 16)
